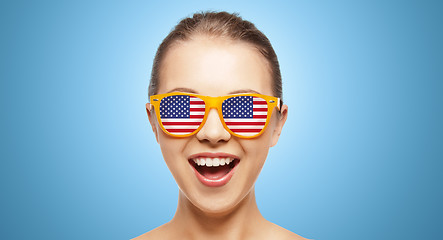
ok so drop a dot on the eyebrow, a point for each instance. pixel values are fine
(244, 91)
(180, 89)
(190, 90)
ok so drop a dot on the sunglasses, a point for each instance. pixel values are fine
(242, 115)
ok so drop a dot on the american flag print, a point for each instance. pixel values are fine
(181, 114)
(245, 115)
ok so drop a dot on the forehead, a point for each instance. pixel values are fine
(215, 67)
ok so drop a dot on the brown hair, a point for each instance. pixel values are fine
(218, 24)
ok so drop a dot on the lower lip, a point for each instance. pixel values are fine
(215, 182)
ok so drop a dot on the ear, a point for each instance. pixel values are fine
(279, 126)
(152, 119)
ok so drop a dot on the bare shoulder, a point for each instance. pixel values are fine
(284, 234)
(154, 234)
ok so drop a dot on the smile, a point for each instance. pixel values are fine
(214, 169)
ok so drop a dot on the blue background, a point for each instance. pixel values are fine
(361, 153)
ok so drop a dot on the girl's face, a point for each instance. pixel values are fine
(216, 67)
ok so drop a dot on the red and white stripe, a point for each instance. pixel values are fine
(182, 126)
(250, 126)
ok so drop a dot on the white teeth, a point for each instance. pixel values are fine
(212, 162)
(216, 162)
(208, 162)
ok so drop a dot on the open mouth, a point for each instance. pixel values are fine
(213, 168)
(214, 172)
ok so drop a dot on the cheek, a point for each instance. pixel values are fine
(260, 146)
(172, 150)
(257, 149)
(256, 153)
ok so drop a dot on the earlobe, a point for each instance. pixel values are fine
(279, 126)
(152, 120)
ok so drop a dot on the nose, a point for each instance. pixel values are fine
(213, 130)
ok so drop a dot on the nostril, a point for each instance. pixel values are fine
(213, 129)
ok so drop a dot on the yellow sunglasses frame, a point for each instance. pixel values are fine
(214, 102)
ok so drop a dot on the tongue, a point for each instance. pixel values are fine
(214, 172)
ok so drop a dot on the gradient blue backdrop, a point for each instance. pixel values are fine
(361, 153)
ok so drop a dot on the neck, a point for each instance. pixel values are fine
(236, 223)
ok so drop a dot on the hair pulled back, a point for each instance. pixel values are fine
(218, 24)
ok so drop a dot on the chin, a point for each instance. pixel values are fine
(216, 210)
(220, 203)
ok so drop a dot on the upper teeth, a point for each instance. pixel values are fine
(212, 162)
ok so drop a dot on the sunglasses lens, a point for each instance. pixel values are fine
(181, 114)
(245, 115)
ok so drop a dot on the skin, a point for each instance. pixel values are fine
(217, 67)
